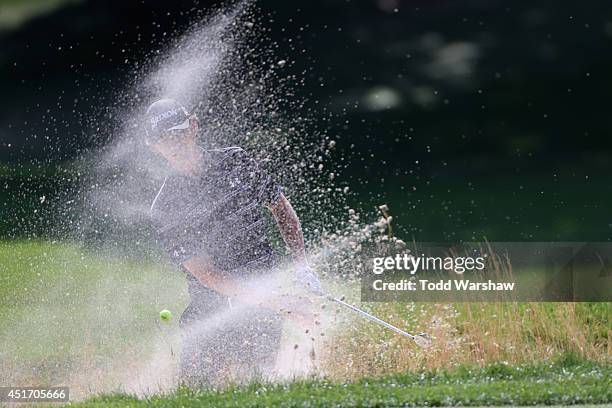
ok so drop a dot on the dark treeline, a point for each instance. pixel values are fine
(470, 118)
(449, 78)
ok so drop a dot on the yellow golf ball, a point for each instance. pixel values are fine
(165, 314)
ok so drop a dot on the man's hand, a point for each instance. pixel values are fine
(307, 277)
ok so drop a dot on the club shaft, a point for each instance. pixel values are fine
(373, 318)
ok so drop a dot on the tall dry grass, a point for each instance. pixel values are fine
(470, 334)
(465, 333)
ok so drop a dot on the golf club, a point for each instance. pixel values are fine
(421, 339)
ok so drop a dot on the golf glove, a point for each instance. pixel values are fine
(306, 276)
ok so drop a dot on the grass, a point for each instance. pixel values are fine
(80, 318)
(72, 317)
(88, 320)
(471, 333)
(464, 332)
(16, 12)
(566, 381)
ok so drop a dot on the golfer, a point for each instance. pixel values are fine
(208, 217)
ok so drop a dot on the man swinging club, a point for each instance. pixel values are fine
(208, 217)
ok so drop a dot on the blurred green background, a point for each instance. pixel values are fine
(470, 119)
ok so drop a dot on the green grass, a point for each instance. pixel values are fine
(13, 13)
(564, 382)
(87, 320)
(66, 311)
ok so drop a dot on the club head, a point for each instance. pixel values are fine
(422, 340)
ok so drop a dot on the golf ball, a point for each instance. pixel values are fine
(165, 314)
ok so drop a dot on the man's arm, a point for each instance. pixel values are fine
(289, 226)
(250, 293)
